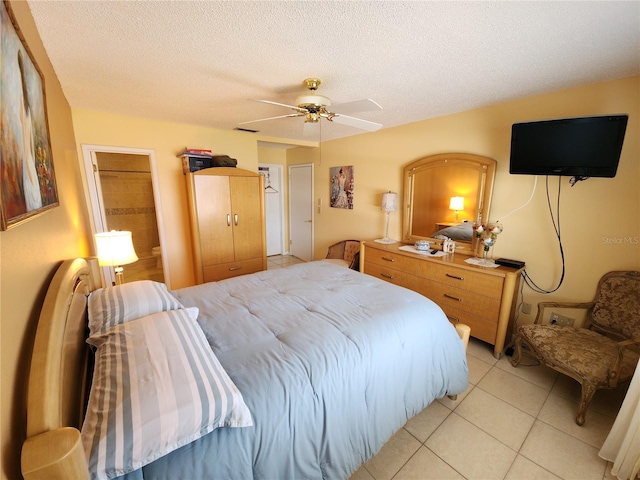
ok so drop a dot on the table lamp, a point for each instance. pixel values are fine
(389, 204)
(115, 248)
(457, 204)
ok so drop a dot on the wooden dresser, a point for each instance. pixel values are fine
(481, 297)
(226, 207)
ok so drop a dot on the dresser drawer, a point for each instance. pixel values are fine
(481, 283)
(213, 273)
(461, 299)
(392, 275)
(393, 260)
(480, 327)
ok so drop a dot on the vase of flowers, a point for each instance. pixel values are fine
(485, 237)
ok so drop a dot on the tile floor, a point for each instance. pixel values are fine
(279, 261)
(510, 423)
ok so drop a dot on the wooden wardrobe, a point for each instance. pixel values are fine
(227, 222)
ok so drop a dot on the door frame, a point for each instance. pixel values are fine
(312, 195)
(95, 202)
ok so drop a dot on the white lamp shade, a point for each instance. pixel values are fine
(456, 203)
(115, 248)
(389, 202)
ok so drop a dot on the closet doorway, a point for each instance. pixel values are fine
(274, 207)
(123, 194)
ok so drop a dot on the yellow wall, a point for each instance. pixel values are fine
(30, 254)
(600, 217)
(597, 215)
(167, 140)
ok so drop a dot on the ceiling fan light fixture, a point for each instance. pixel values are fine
(313, 107)
(312, 101)
(312, 117)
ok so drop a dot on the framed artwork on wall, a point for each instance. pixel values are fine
(342, 185)
(27, 179)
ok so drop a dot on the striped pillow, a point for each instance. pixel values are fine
(157, 386)
(119, 304)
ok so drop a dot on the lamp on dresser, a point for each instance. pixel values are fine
(115, 249)
(389, 204)
(457, 204)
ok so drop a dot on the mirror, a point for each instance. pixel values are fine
(429, 187)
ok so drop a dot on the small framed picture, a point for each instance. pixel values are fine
(342, 184)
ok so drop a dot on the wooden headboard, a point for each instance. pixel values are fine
(59, 376)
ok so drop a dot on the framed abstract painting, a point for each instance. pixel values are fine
(27, 179)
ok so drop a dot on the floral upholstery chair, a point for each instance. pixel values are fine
(346, 252)
(603, 354)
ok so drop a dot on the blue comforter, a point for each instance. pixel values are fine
(331, 363)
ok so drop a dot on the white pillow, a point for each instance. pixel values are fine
(112, 306)
(157, 386)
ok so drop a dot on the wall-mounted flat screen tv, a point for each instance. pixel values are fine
(580, 147)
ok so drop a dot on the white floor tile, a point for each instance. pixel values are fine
(562, 454)
(426, 465)
(425, 423)
(393, 455)
(514, 390)
(481, 350)
(525, 469)
(561, 413)
(537, 374)
(502, 421)
(477, 369)
(469, 450)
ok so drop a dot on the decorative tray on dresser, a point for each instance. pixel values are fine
(481, 297)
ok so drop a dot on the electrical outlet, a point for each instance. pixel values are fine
(526, 308)
(557, 319)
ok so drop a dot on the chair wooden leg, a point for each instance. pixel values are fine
(517, 352)
(587, 394)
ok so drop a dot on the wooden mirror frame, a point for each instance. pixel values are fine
(486, 168)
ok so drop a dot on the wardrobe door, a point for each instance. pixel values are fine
(247, 217)
(214, 219)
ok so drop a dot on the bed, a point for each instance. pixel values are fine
(321, 365)
(462, 232)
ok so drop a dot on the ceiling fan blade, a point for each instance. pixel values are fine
(301, 110)
(366, 105)
(311, 129)
(273, 118)
(356, 122)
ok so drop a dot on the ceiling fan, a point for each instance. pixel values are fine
(313, 107)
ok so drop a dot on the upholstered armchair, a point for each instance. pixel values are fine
(346, 252)
(601, 355)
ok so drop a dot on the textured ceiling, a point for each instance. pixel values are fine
(203, 62)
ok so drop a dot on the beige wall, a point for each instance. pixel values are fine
(600, 217)
(597, 215)
(30, 253)
(167, 140)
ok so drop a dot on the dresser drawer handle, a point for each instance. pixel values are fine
(233, 269)
(385, 275)
(388, 259)
(452, 297)
(454, 276)
(454, 319)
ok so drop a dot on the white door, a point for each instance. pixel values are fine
(301, 211)
(274, 207)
